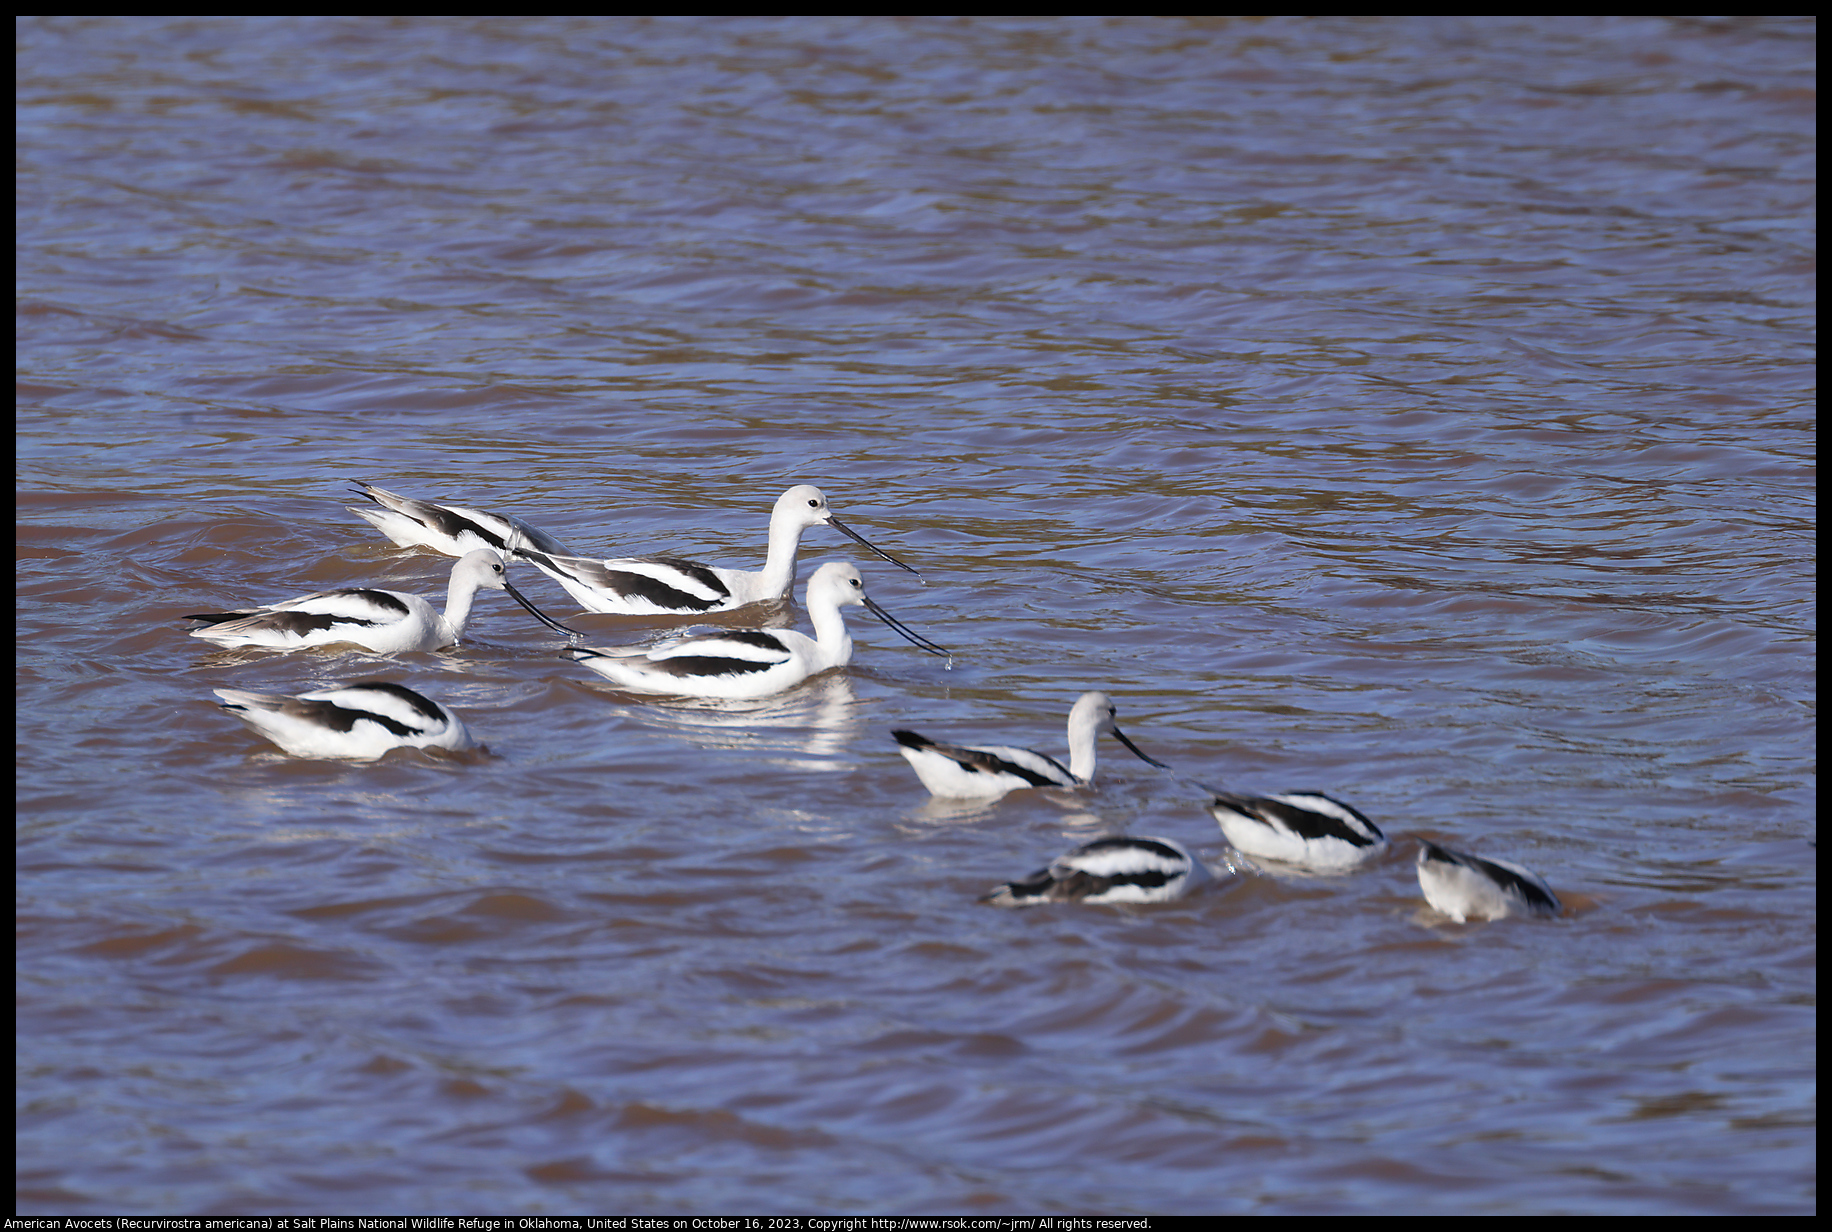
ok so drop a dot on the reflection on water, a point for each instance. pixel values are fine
(1415, 410)
(811, 727)
(1073, 819)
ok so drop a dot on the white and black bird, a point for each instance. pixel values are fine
(747, 663)
(1303, 828)
(987, 771)
(359, 722)
(1466, 887)
(671, 586)
(1108, 870)
(454, 530)
(382, 621)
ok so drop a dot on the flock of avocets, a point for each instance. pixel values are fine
(1299, 830)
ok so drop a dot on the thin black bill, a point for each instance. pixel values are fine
(853, 534)
(1136, 751)
(539, 615)
(915, 638)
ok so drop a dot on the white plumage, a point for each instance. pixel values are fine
(359, 721)
(986, 771)
(1108, 870)
(1303, 828)
(669, 585)
(382, 621)
(1463, 886)
(745, 663)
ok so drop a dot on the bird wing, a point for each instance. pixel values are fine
(739, 652)
(1307, 815)
(504, 534)
(1033, 767)
(665, 582)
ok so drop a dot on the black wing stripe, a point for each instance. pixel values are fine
(344, 719)
(707, 665)
(456, 524)
(420, 704)
(1162, 850)
(1508, 879)
(763, 639)
(978, 761)
(661, 594)
(1306, 823)
(386, 601)
(300, 624)
(217, 618)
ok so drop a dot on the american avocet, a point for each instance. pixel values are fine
(668, 585)
(452, 529)
(1304, 828)
(751, 662)
(383, 621)
(984, 771)
(1108, 870)
(358, 721)
(1461, 886)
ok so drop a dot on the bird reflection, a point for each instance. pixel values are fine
(809, 728)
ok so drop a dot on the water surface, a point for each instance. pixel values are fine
(1416, 410)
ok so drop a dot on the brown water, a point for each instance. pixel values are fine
(1415, 410)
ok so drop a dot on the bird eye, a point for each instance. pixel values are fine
(814, 504)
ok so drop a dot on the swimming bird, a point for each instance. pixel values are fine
(1461, 886)
(986, 771)
(382, 621)
(744, 663)
(1108, 870)
(1305, 828)
(359, 721)
(669, 585)
(452, 529)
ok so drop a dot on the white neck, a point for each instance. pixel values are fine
(1084, 734)
(830, 635)
(779, 567)
(458, 598)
